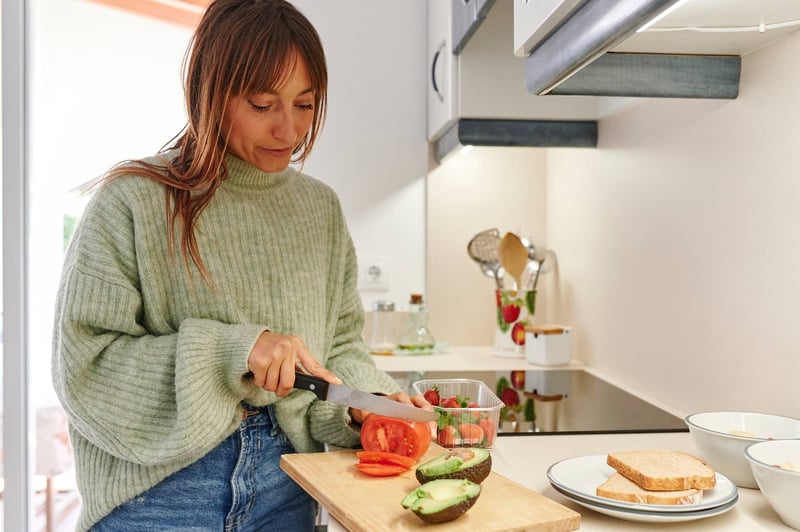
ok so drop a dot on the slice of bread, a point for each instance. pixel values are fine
(663, 470)
(620, 488)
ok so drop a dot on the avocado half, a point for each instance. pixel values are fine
(469, 463)
(439, 501)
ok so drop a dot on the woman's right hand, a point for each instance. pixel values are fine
(274, 359)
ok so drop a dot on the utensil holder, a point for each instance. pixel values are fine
(515, 309)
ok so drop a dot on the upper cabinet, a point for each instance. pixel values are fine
(485, 80)
(442, 68)
(477, 97)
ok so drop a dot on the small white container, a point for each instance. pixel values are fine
(547, 345)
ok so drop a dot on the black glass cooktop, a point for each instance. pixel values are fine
(573, 402)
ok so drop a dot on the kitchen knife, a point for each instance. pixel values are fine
(344, 395)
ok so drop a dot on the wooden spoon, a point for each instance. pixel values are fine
(513, 256)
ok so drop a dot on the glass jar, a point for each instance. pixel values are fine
(382, 338)
(417, 337)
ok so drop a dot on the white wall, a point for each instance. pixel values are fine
(105, 85)
(679, 243)
(373, 149)
(486, 188)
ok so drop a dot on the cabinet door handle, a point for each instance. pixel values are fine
(434, 63)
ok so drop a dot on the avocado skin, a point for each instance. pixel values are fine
(475, 469)
(439, 511)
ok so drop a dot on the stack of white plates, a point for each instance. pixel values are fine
(578, 478)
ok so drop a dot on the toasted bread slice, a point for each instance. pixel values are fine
(663, 470)
(620, 488)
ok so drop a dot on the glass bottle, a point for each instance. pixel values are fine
(383, 336)
(417, 337)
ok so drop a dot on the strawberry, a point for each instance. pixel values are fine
(488, 429)
(450, 402)
(511, 313)
(447, 436)
(432, 396)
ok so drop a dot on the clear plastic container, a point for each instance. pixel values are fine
(474, 422)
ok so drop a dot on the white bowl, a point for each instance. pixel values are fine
(721, 437)
(769, 461)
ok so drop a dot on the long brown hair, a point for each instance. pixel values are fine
(240, 47)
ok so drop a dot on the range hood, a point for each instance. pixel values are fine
(655, 48)
(586, 59)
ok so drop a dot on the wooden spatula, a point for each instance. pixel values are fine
(513, 256)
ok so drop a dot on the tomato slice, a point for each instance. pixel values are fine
(392, 435)
(381, 470)
(379, 457)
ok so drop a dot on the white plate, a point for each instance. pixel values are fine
(650, 516)
(580, 477)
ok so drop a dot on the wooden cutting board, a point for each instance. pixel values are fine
(362, 503)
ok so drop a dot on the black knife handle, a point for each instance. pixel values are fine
(304, 381)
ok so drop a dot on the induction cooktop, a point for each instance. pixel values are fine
(574, 401)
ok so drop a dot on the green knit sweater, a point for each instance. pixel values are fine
(148, 361)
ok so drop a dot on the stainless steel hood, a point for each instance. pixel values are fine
(598, 57)
(693, 51)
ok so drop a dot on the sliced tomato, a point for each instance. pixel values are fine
(398, 436)
(379, 457)
(381, 470)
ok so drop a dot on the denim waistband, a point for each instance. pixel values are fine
(253, 416)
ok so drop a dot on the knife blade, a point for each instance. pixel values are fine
(344, 395)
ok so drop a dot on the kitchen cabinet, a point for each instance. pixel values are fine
(485, 80)
(442, 68)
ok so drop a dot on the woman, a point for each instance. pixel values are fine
(194, 285)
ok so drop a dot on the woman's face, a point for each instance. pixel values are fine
(266, 128)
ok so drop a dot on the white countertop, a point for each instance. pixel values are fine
(525, 460)
(458, 358)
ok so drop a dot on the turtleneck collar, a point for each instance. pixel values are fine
(244, 175)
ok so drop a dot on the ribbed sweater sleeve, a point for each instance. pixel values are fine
(149, 361)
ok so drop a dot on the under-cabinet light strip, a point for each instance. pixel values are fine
(727, 29)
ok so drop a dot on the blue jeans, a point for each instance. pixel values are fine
(237, 487)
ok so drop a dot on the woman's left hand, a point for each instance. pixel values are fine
(419, 401)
